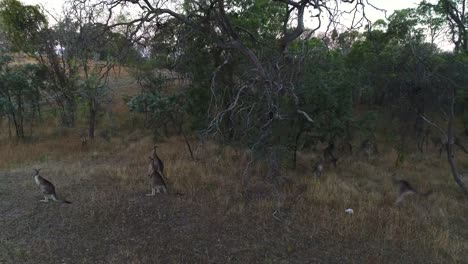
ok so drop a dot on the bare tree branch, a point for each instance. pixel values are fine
(305, 115)
(436, 126)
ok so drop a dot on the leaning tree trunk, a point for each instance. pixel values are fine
(187, 142)
(14, 118)
(296, 143)
(180, 130)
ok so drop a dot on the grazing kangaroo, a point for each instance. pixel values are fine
(47, 188)
(405, 189)
(157, 180)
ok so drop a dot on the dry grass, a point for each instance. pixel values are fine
(107, 173)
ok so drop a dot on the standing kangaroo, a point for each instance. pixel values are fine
(84, 141)
(439, 143)
(405, 189)
(157, 163)
(318, 169)
(47, 188)
(328, 155)
(156, 173)
(157, 180)
(369, 148)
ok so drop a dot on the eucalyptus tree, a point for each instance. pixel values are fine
(27, 30)
(455, 13)
(22, 25)
(20, 93)
(92, 50)
(252, 75)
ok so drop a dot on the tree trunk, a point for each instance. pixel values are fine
(39, 114)
(68, 113)
(181, 132)
(295, 147)
(71, 112)
(15, 123)
(20, 117)
(9, 127)
(92, 120)
(16, 126)
(188, 144)
(465, 116)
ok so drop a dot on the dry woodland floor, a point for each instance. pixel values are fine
(221, 218)
(216, 221)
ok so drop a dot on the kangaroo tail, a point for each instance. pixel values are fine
(164, 178)
(165, 182)
(59, 200)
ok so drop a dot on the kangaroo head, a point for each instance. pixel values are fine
(36, 172)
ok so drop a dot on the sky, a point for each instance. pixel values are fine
(54, 6)
(390, 6)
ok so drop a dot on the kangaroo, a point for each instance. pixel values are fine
(157, 163)
(439, 143)
(47, 188)
(369, 148)
(84, 141)
(157, 180)
(156, 173)
(328, 154)
(318, 169)
(405, 189)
